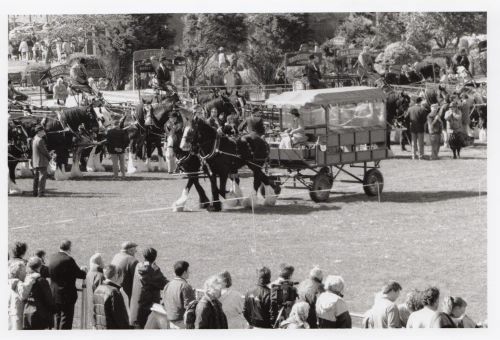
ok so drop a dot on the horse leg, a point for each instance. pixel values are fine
(130, 163)
(170, 155)
(179, 204)
(60, 172)
(24, 170)
(13, 188)
(216, 204)
(201, 192)
(162, 166)
(94, 162)
(75, 167)
(271, 190)
(149, 151)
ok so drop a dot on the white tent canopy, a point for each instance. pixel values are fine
(333, 96)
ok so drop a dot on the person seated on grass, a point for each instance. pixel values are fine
(412, 304)
(331, 308)
(424, 318)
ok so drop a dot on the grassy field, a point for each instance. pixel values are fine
(429, 227)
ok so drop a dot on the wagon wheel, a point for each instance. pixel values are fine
(373, 182)
(320, 189)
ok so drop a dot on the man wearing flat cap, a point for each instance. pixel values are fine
(41, 158)
(126, 261)
(253, 124)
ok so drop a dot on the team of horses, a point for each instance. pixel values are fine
(195, 146)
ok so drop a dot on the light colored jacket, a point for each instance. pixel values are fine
(329, 306)
(60, 91)
(41, 156)
(232, 305)
(18, 293)
(385, 313)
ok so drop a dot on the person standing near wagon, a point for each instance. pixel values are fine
(40, 160)
(435, 130)
(117, 141)
(418, 117)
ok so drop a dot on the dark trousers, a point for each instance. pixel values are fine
(39, 179)
(64, 316)
(405, 139)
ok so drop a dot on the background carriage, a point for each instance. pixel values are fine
(346, 129)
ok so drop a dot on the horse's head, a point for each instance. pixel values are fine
(197, 133)
(91, 122)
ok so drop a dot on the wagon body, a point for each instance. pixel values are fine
(346, 128)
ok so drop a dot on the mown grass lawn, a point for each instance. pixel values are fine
(430, 227)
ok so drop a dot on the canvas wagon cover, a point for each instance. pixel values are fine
(333, 96)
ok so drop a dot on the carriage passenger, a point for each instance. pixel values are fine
(296, 134)
(15, 94)
(79, 78)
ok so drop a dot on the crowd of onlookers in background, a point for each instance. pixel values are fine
(34, 48)
(128, 293)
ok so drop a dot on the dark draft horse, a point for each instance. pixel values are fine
(148, 130)
(222, 156)
(188, 162)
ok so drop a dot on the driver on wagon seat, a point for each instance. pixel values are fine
(163, 77)
(79, 78)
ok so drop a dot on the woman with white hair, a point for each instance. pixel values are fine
(331, 308)
(95, 277)
(298, 316)
(209, 313)
(60, 92)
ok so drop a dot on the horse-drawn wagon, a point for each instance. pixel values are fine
(345, 128)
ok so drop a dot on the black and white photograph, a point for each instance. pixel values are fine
(249, 168)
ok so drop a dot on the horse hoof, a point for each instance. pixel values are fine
(177, 208)
(214, 208)
(204, 205)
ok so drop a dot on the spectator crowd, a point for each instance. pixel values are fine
(132, 294)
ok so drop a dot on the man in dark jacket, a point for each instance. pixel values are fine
(283, 294)
(40, 307)
(460, 59)
(146, 290)
(40, 160)
(308, 291)
(44, 270)
(311, 71)
(418, 118)
(63, 272)
(125, 261)
(117, 141)
(177, 295)
(253, 124)
(163, 75)
(257, 307)
(209, 313)
(109, 308)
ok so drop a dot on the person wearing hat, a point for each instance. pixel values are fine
(163, 74)
(126, 261)
(313, 74)
(308, 291)
(40, 160)
(79, 77)
(435, 126)
(148, 283)
(117, 141)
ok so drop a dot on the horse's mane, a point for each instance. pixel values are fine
(74, 116)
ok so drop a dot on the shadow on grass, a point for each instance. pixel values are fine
(57, 193)
(293, 209)
(109, 178)
(411, 196)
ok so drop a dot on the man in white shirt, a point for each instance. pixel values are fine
(424, 317)
(385, 313)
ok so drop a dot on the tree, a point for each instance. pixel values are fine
(444, 28)
(203, 34)
(117, 36)
(390, 28)
(357, 27)
(273, 35)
